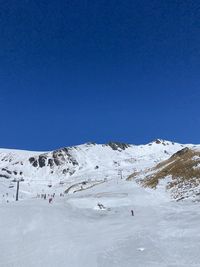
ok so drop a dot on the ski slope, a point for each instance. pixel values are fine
(74, 232)
(67, 166)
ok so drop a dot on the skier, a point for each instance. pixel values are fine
(101, 206)
(132, 212)
(50, 200)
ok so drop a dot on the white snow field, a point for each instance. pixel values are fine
(91, 224)
(74, 232)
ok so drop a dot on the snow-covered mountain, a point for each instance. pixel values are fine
(88, 163)
(110, 214)
(68, 161)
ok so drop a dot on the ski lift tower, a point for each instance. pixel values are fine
(17, 180)
(120, 173)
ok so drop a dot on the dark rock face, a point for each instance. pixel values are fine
(35, 163)
(181, 152)
(4, 176)
(5, 170)
(50, 162)
(90, 143)
(42, 160)
(74, 162)
(58, 157)
(63, 156)
(56, 161)
(64, 171)
(118, 145)
(71, 172)
(157, 141)
(31, 160)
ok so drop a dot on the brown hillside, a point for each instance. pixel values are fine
(183, 168)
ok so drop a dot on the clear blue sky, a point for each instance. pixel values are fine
(78, 71)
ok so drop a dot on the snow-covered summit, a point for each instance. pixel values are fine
(67, 161)
(86, 162)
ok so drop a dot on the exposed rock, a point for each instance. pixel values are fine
(181, 152)
(42, 160)
(50, 162)
(31, 160)
(118, 145)
(90, 143)
(6, 170)
(4, 176)
(64, 171)
(58, 157)
(35, 163)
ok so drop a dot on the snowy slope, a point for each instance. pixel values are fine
(91, 224)
(87, 162)
(73, 232)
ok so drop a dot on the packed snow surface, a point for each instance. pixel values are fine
(73, 231)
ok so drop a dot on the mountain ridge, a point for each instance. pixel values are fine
(86, 162)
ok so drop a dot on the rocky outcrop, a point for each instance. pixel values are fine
(57, 158)
(118, 145)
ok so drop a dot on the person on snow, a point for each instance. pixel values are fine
(132, 212)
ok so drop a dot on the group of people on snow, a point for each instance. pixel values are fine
(50, 197)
